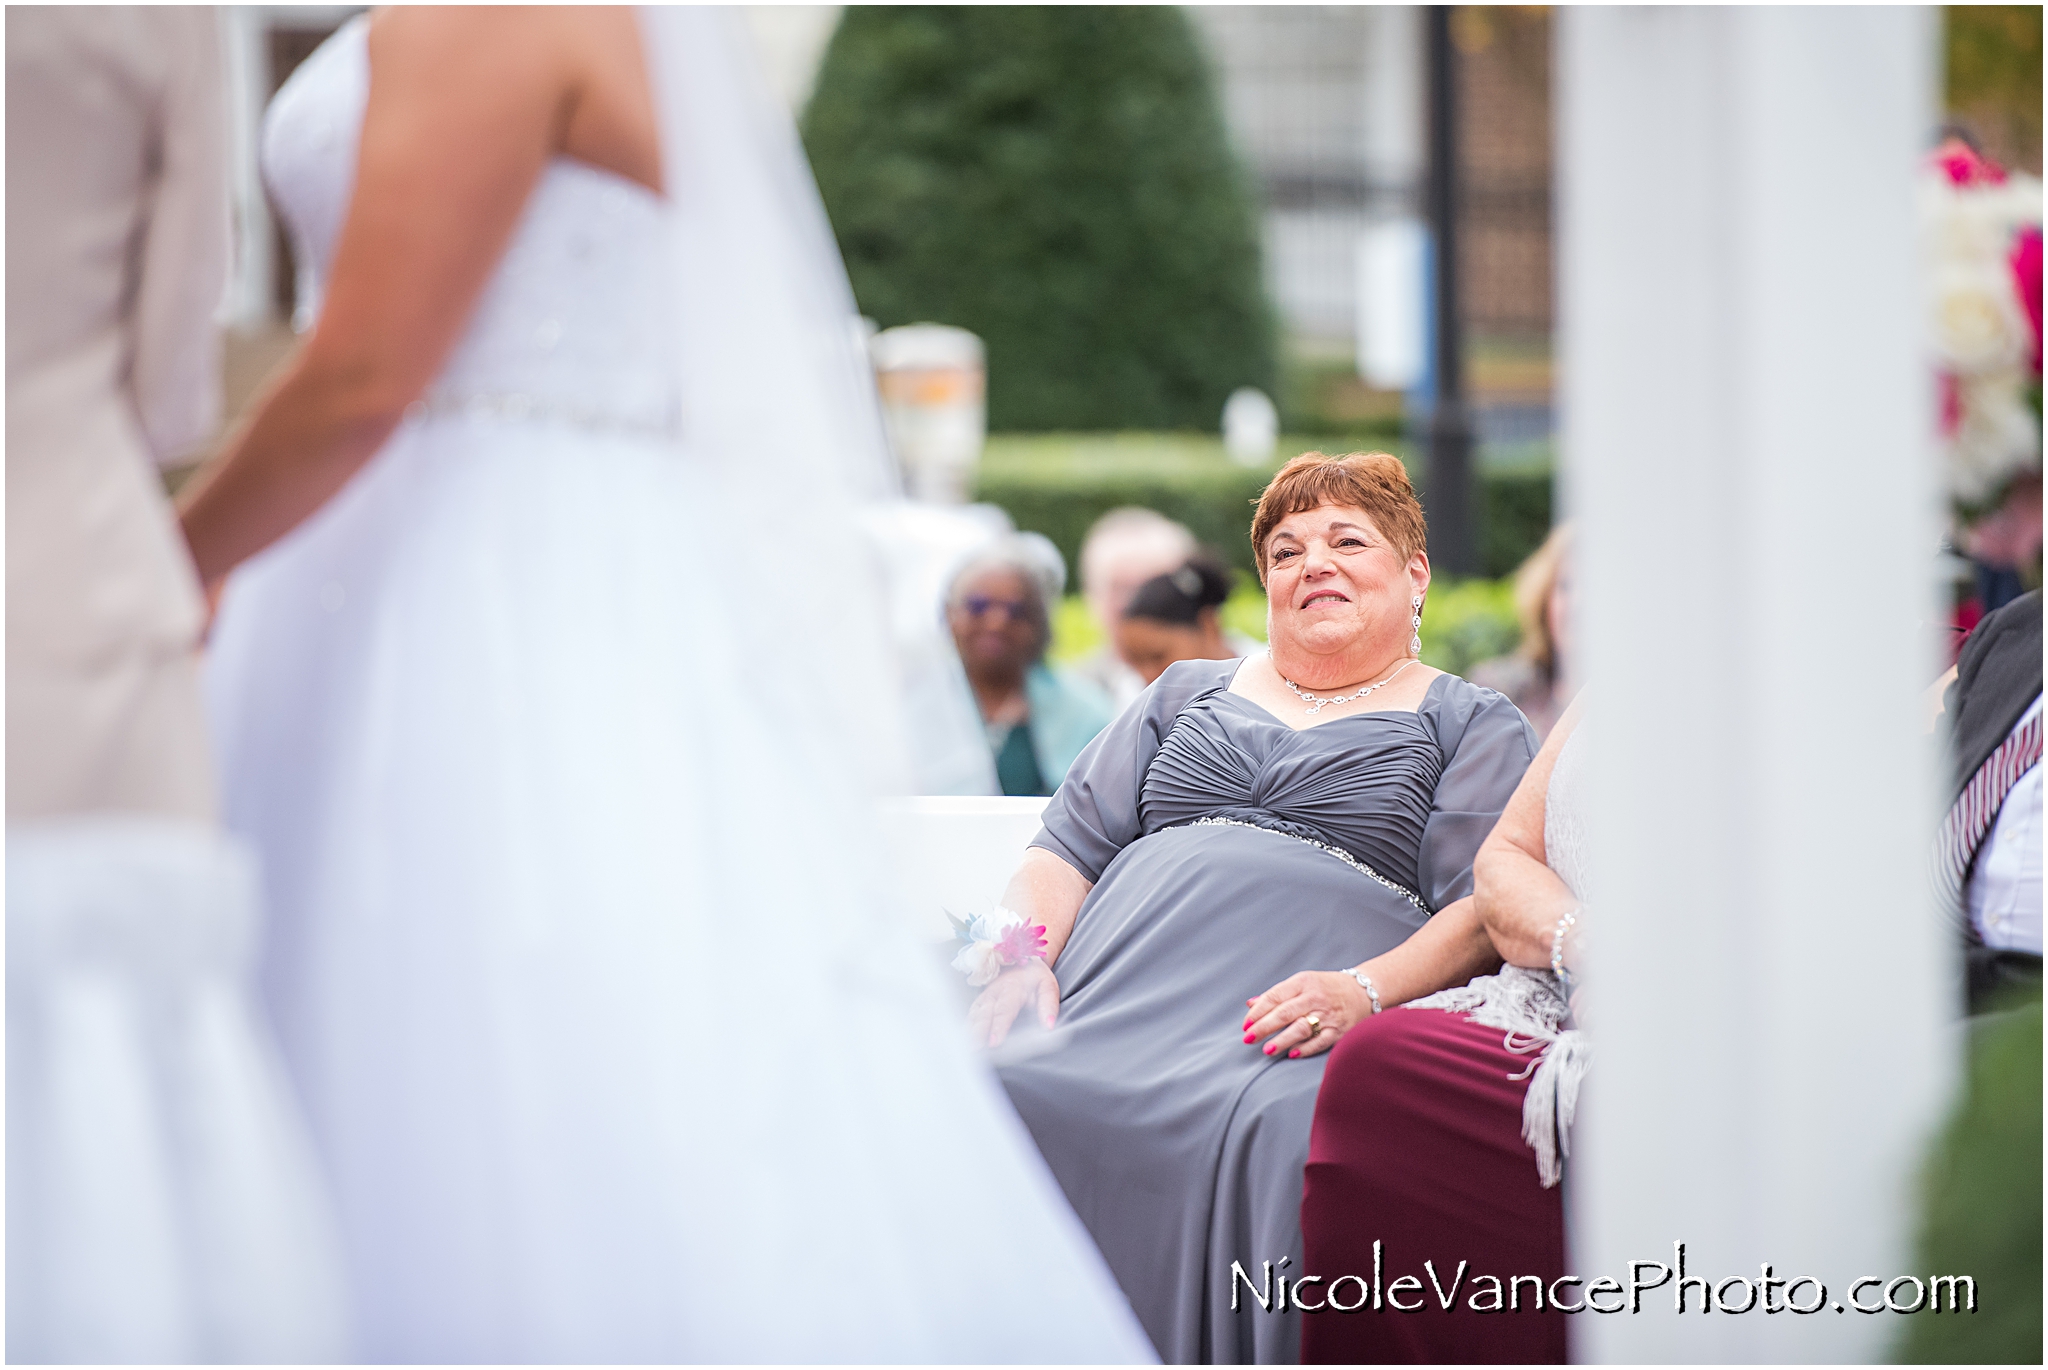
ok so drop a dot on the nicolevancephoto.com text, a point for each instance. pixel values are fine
(1277, 1292)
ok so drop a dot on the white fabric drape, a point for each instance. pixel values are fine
(162, 1200)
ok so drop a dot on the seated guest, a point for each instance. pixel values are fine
(1537, 675)
(1037, 719)
(1124, 548)
(1178, 617)
(1987, 865)
(1292, 832)
(1438, 1136)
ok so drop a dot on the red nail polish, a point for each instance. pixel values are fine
(1249, 1038)
(1269, 1051)
(1294, 1053)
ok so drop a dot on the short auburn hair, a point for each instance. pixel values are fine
(1376, 482)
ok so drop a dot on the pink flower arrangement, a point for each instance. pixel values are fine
(995, 941)
(1983, 233)
(1020, 943)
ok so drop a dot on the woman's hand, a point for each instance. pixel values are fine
(1335, 1000)
(1031, 985)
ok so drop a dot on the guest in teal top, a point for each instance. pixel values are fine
(1037, 719)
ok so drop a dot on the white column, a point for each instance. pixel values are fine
(1745, 406)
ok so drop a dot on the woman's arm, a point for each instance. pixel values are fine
(1044, 890)
(465, 108)
(1449, 949)
(1047, 890)
(1520, 899)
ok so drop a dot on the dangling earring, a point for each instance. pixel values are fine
(1415, 642)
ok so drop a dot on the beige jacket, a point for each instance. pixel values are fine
(117, 253)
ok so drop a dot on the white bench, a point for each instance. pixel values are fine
(957, 853)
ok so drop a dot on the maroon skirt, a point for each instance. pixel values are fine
(1416, 1165)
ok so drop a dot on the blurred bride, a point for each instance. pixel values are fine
(551, 686)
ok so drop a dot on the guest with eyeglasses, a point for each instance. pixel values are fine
(1037, 719)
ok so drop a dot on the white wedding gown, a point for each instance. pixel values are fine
(555, 730)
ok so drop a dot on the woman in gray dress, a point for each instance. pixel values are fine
(1256, 856)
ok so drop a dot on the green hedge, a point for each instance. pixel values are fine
(1982, 1203)
(1514, 517)
(1059, 180)
(1059, 484)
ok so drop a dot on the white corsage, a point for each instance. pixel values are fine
(997, 939)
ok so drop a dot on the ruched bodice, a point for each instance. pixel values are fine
(570, 326)
(1364, 783)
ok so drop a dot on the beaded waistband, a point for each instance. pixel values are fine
(1328, 849)
(519, 408)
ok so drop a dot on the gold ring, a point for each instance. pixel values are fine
(1315, 1024)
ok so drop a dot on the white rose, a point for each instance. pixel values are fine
(991, 926)
(1997, 440)
(1978, 221)
(1978, 326)
(979, 962)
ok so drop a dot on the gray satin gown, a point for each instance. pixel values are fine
(1228, 852)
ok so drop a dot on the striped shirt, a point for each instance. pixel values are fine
(1961, 840)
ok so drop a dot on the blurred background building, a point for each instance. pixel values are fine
(1325, 106)
(1322, 110)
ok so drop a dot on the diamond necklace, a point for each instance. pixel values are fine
(1316, 702)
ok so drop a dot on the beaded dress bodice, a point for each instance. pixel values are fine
(574, 323)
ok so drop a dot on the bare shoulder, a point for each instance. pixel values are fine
(475, 45)
(537, 34)
(461, 50)
(571, 77)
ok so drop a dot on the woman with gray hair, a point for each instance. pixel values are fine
(1037, 719)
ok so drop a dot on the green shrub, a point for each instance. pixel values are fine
(1992, 56)
(1059, 484)
(1514, 516)
(1057, 179)
(1465, 622)
(1982, 1196)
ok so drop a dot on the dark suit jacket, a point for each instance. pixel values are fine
(1998, 676)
